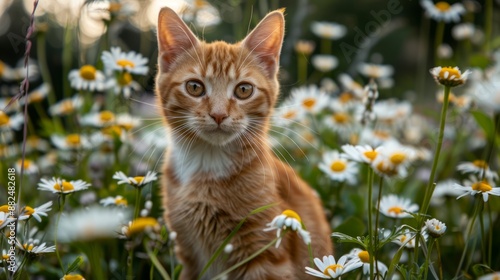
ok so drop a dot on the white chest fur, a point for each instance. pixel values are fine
(211, 161)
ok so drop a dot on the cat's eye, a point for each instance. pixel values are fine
(195, 88)
(243, 91)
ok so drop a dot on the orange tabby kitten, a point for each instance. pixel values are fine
(217, 99)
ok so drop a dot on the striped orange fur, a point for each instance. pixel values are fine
(217, 99)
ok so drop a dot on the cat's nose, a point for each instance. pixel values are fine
(218, 117)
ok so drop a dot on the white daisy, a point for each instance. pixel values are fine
(36, 212)
(330, 269)
(435, 228)
(328, 30)
(304, 47)
(324, 62)
(463, 31)
(132, 62)
(140, 225)
(475, 186)
(127, 121)
(11, 122)
(376, 137)
(86, 78)
(477, 167)
(310, 99)
(287, 114)
(29, 166)
(490, 276)
(364, 257)
(32, 247)
(66, 106)
(93, 223)
(351, 86)
(338, 168)
(361, 153)
(345, 118)
(117, 200)
(397, 207)
(98, 119)
(449, 76)
(37, 95)
(398, 155)
(58, 185)
(6, 72)
(288, 220)
(5, 219)
(35, 143)
(375, 71)
(70, 142)
(392, 113)
(123, 83)
(443, 11)
(407, 238)
(137, 181)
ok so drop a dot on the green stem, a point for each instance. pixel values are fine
(370, 219)
(260, 251)
(431, 185)
(302, 68)
(438, 41)
(428, 258)
(63, 200)
(468, 237)
(137, 202)
(377, 216)
(488, 21)
(490, 235)
(156, 263)
(66, 59)
(483, 236)
(440, 264)
(326, 46)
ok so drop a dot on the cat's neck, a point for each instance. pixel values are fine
(199, 159)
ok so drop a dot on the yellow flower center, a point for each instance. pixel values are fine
(139, 179)
(113, 7)
(338, 166)
(4, 208)
(480, 163)
(4, 119)
(381, 134)
(73, 277)
(2, 68)
(124, 63)
(345, 97)
(35, 97)
(65, 186)
(67, 107)
(437, 227)
(106, 116)
(451, 72)
(397, 158)
(371, 155)
(113, 130)
(482, 187)
(124, 79)
(5, 257)
(364, 256)
(442, 6)
(140, 224)
(289, 115)
(88, 72)
(332, 267)
(341, 118)
(402, 238)
(28, 211)
(309, 103)
(1, 222)
(121, 201)
(73, 140)
(28, 247)
(27, 163)
(396, 210)
(291, 214)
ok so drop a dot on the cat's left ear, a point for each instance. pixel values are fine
(266, 39)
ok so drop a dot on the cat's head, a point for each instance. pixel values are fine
(218, 92)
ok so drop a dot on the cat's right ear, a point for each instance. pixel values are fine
(174, 38)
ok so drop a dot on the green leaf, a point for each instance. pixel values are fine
(479, 60)
(485, 122)
(352, 226)
(74, 265)
(177, 271)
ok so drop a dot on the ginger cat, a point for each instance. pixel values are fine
(217, 99)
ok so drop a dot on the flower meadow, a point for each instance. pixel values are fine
(404, 158)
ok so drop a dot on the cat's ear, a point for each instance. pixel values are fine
(174, 38)
(266, 39)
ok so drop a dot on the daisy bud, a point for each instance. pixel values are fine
(228, 248)
(435, 228)
(449, 76)
(148, 205)
(172, 235)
